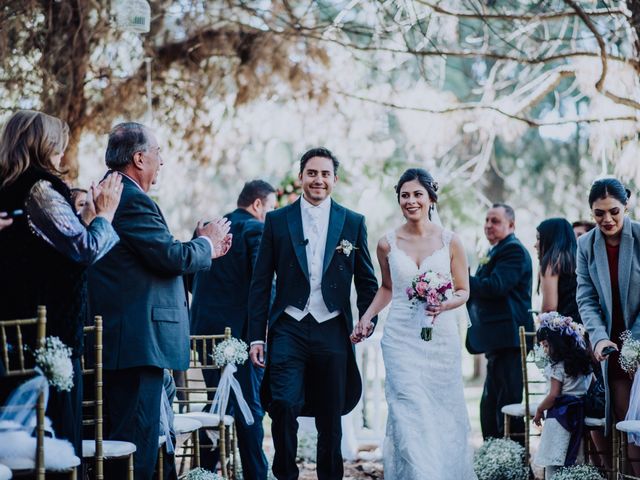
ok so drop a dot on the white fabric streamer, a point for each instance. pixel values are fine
(221, 399)
(21, 405)
(634, 407)
(166, 420)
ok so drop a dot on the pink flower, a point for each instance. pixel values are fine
(432, 297)
(421, 288)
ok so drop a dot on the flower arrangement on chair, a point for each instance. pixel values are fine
(54, 359)
(500, 459)
(202, 474)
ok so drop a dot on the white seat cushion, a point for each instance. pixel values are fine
(629, 426)
(185, 424)
(517, 409)
(110, 448)
(161, 440)
(594, 422)
(5, 472)
(207, 420)
(19, 448)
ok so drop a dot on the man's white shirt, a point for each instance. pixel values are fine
(315, 226)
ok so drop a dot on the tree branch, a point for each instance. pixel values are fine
(603, 58)
(510, 17)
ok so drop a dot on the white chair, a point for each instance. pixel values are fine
(5, 472)
(626, 426)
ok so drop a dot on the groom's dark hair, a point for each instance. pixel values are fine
(319, 152)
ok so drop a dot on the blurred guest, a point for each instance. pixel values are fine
(556, 247)
(608, 269)
(499, 304)
(138, 288)
(43, 256)
(220, 296)
(79, 198)
(5, 221)
(581, 227)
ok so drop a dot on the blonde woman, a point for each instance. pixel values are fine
(45, 251)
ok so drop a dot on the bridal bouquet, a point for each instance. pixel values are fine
(54, 359)
(428, 288)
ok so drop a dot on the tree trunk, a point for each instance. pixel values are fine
(634, 6)
(65, 56)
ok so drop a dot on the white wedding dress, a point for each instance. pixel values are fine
(427, 424)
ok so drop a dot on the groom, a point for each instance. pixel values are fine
(315, 247)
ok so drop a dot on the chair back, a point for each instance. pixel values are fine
(92, 401)
(195, 393)
(16, 366)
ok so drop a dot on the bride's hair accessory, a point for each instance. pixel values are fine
(563, 325)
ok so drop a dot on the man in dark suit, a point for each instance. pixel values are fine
(316, 248)
(139, 290)
(220, 296)
(498, 305)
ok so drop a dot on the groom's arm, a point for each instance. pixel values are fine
(364, 275)
(261, 283)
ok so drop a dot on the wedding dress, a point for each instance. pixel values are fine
(427, 425)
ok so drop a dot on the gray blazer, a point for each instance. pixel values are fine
(139, 290)
(594, 288)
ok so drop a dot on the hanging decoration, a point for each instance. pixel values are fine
(133, 16)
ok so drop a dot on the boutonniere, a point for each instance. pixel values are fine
(345, 247)
(484, 260)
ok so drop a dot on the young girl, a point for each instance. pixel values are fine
(569, 375)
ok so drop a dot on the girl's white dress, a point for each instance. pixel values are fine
(555, 439)
(427, 426)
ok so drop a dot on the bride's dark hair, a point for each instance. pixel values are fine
(424, 178)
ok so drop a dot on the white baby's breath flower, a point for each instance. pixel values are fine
(500, 458)
(228, 351)
(577, 472)
(202, 474)
(54, 359)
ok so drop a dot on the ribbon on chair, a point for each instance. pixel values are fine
(20, 408)
(166, 420)
(633, 413)
(221, 399)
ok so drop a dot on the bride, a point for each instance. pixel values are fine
(427, 424)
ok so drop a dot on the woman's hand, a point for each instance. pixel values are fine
(106, 196)
(362, 330)
(601, 345)
(435, 310)
(538, 417)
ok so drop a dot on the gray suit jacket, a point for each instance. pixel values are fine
(594, 287)
(139, 290)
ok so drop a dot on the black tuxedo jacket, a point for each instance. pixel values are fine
(500, 298)
(138, 287)
(220, 293)
(283, 253)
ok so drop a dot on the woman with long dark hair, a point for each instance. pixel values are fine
(556, 246)
(45, 251)
(608, 269)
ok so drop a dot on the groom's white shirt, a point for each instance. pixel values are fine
(315, 226)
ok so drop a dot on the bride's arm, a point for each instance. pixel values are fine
(364, 327)
(460, 276)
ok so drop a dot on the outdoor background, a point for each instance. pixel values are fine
(520, 101)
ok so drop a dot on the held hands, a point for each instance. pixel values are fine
(218, 232)
(256, 353)
(361, 331)
(5, 221)
(600, 346)
(103, 199)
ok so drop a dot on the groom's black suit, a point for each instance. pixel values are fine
(311, 367)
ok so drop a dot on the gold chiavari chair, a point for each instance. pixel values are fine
(194, 396)
(621, 430)
(534, 391)
(97, 449)
(12, 331)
